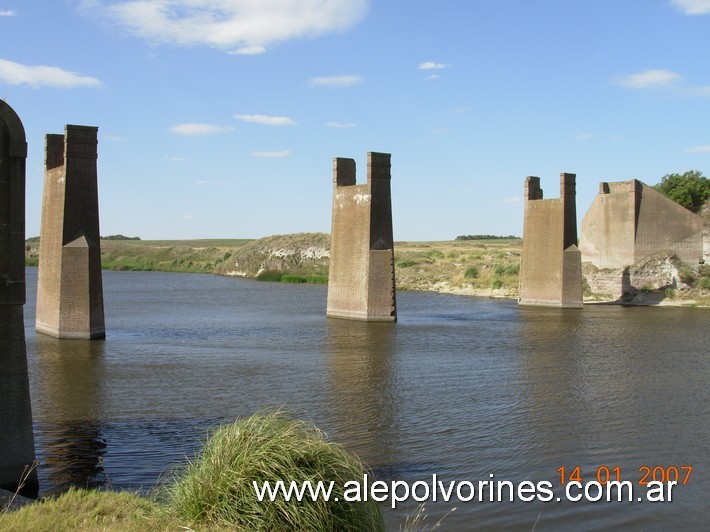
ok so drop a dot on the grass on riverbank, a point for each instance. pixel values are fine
(215, 491)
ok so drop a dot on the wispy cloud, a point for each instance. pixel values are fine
(249, 50)
(199, 129)
(335, 81)
(43, 76)
(699, 149)
(175, 158)
(186, 216)
(430, 65)
(584, 137)
(266, 120)
(245, 24)
(8, 13)
(339, 125)
(513, 200)
(661, 80)
(649, 79)
(272, 154)
(693, 7)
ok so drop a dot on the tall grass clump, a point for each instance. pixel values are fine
(216, 489)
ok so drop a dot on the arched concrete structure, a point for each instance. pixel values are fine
(17, 451)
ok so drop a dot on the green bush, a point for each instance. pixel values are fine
(216, 490)
(506, 269)
(406, 263)
(471, 273)
(434, 254)
(269, 276)
(496, 283)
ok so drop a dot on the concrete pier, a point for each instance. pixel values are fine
(551, 265)
(361, 277)
(69, 285)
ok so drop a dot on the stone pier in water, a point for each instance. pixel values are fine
(69, 286)
(361, 276)
(551, 264)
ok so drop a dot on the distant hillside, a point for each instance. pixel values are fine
(466, 267)
(305, 254)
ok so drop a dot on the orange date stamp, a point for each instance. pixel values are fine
(604, 474)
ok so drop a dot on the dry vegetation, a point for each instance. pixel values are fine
(474, 267)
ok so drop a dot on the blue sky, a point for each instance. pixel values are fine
(220, 119)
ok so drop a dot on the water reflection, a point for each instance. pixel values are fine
(70, 430)
(361, 360)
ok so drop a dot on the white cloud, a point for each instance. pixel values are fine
(272, 154)
(335, 81)
(693, 7)
(649, 79)
(249, 50)
(43, 76)
(199, 129)
(434, 76)
(699, 149)
(584, 137)
(186, 216)
(428, 65)
(246, 24)
(514, 200)
(339, 125)
(266, 120)
(8, 13)
(175, 159)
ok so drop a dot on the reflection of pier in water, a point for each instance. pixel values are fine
(361, 361)
(70, 433)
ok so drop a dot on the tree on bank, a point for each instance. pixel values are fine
(691, 189)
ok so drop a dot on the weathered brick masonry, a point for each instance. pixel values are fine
(17, 450)
(361, 276)
(69, 287)
(551, 266)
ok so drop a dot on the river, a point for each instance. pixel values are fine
(462, 388)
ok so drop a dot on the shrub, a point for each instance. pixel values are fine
(434, 254)
(686, 275)
(406, 263)
(216, 490)
(269, 276)
(471, 273)
(704, 283)
(496, 283)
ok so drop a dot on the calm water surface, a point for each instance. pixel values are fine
(463, 388)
